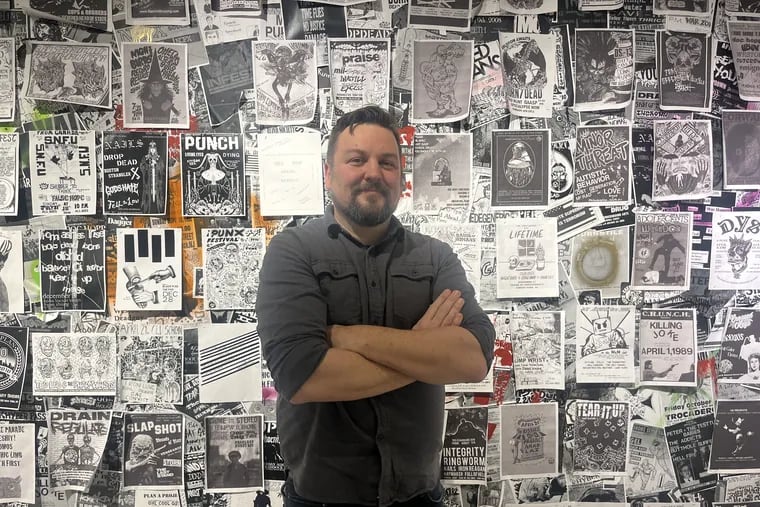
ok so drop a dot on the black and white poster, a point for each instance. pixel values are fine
(527, 263)
(741, 149)
(689, 445)
(745, 40)
(12, 269)
(604, 69)
(739, 360)
(464, 446)
(228, 73)
(487, 103)
(155, 85)
(668, 347)
(274, 463)
(605, 339)
(662, 251)
(600, 260)
(234, 453)
(242, 8)
(359, 73)
(157, 12)
(317, 21)
(73, 269)
(76, 440)
(74, 364)
(452, 16)
(648, 465)
(529, 62)
(153, 451)
(9, 167)
(602, 165)
(14, 355)
(600, 437)
(520, 169)
(442, 82)
(63, 174)
(7, 82)
(538, 341)
(735, 250)
(684, 63)
(231, 260)
(18, 458)
(213, 175)
(529, 443)
(150, 363)
(68, 72)
(229, 358)
(149, 269)
(135, 173)
(90, 13)
(735, 442)
(683, 160)
(442, 175)
(285, 75)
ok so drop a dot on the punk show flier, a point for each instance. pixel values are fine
(135, 173)
(9, 166)
(745, 37)
(600, 437)
(520, 169)
(17, 459)
(741, 149)
(14, 351)
(689, 445)
(442, 83)
(63, 175)
(529, 443)
(604, 69)
(527, 265)
(735, 250)
(662, 251)
(683, 160)
(464, 446)
(739, 361)
(529, 63)
(668, 347)
(442, 176)
(604, 344)
(539, 349)
(735, 442)
(359, 73)
(149, 269)
(602, 165)
(153, 450)
(684, 63)
(7, 79)
(155, 85)
(76, 440)
(12, 292)
(213, 175)
(234, 453)
(648, 465)
(232, 258)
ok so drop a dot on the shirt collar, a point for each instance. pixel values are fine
(396, 229)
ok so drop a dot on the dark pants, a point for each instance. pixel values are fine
(430, 499)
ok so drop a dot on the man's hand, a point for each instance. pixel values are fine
(444, 311)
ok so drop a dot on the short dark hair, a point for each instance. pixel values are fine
(371, 115)
(234, 453)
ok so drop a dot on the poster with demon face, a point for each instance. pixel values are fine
(604, 60)
(735, 250)
(683, 163)
(684, 63)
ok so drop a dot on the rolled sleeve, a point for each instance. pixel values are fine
(451, 275)
(291, 312)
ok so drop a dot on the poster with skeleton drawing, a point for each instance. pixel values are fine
(604, 344)
(149, 269)
(285, 76)
(649, 468)
(529, 443)
(452, 15)
(465, 240)
(683, 160)
(74, 364)
(213, 175)
(539, 349)
(602, 165)
(604, 72)
(63, 173)
(359, 73)
(11, 272)
(662, 251)
(529, 62)
(231, 261)
(745, 40)
(442, 175)
(76, 440)
(685, 65)
(9, 166)
(442, 81)
(68, 72)
(527, 265)
(520, 169)
(155, 85)
(741, 149)
(735, 250)
(7, 78)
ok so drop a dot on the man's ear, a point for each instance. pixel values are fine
(326, 173)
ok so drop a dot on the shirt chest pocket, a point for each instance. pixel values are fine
(412, 286)
(339, 284)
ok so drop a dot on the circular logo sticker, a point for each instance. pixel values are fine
(11, 361)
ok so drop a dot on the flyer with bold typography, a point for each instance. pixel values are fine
(76, 441)
(17, 460)
(464, 446)
(232, 259)
(527, 258)
(662, 251)
(735, 250)
(234, 454)
(668, 347)
(600, 437)
(153, 450)
(539, 349)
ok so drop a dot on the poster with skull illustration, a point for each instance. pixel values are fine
(685, 64)
(735, 250)
(683, 160)
(153, 450)
(605, 64)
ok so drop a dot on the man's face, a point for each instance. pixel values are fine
(364, 177)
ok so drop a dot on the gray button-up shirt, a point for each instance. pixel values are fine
(373, 451)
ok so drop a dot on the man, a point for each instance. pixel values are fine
(362, 323)
(236, 474)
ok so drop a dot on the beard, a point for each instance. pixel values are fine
(369, 214)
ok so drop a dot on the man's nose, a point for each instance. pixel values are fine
(372, 169)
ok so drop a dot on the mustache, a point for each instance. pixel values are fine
(376, 187)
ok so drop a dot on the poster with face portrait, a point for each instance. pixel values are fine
(735, 250)
(442, 176)
(442, 82)
(155, 85)
(741, 149)
(605, 338)
(529, 442)
(739, 361)
(520, 169)
(683, 160)
(685, 64)
(153, 450)
(234, 454)
(526, 252)
(232, 258)
(11, 272)
(662, 251)
(529, 63)
(604, 73)
(602, 165)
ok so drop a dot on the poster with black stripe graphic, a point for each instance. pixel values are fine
(229, 360)
(149, 269)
